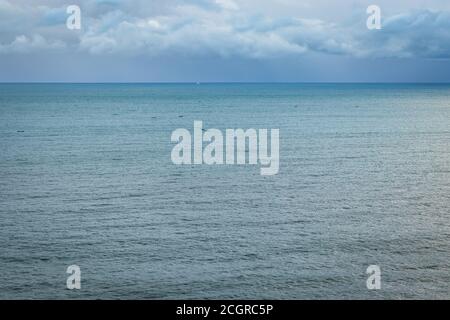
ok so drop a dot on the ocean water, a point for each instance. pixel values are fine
(86, 178)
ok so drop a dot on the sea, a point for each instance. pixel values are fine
(86, 179)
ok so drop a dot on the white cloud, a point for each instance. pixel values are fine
(226, 28)
(227, 4)
(24, 44)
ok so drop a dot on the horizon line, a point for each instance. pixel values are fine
(224, 82)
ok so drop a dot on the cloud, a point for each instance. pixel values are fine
(421, 33)
(227, 4)
(54, 16)
(196, 33)
(223, 28)
(24, 44)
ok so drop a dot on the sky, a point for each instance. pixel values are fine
(225, 41)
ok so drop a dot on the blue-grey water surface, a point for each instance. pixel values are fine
(86, 178)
